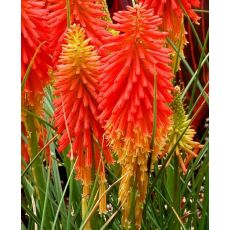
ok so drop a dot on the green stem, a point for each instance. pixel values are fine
(190, 71)
(70, 197)
(193, 28)
(37, 170)
(46, 199)
(176, 192)
(198, 71)
(37, 165)
(63, 195)
(133, 201)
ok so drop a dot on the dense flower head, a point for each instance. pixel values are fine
(127, 80)
(171, 8)
(181, 127)
(76, 88)
(88, 14)
(34, 31)
(134, 58)
(172, 13)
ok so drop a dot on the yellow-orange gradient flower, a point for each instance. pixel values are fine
(76, 84)
(126, 97)
(88, 14)
(187, 148)
(34, 31)
(172, 14)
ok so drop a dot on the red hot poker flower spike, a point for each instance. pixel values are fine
(76, 86)
(169, 8)
(34, 31)
(172, 15)
(88, 14)
(126, 96)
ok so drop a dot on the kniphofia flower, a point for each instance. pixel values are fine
(126, 97)
(181, 126)
(76, 112)
(34, 31)
(172, 14)
(89, 14)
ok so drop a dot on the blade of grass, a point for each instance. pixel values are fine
(191, 171)
(97, 203)
(37, 155)
(206, 202)
(30, 113)
(71, 165)
(176, 190)
(30, 213)
(57, 186)
(37, 165)
(46, 198)
(23, 227)
(198, 98)
(55, 206)
(111, 218)
(198, 82)
(193, 28)
(198, 69)
(63, 195)
(190, 70)
(173, 209)
(201, 10)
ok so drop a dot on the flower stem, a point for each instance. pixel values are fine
(68, 14)
(37, 169)
(176, 192)
(133, 203)
(70, 197)
(46, 198)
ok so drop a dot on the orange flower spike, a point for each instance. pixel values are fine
(76, 87)
(134, 57)
(126, 83)
(34, 32)
(173, 18)
(168, 8)
(89, 14)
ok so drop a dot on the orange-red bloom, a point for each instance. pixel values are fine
(127, 81)
(135, 56)
(76, 87)
(34, 31)
(88, 14)
(168, 9)
(172, 14)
